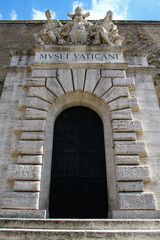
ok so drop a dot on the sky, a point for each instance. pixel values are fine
(122, 9)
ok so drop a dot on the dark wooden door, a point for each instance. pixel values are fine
(78, 178)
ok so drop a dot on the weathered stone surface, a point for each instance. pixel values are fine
(127, 160)
(128, 82)
(54, 86)
(127, 126)
(30, 125)
(10, 213)
(29, 159)
(124, 136)
(41, 92)
(124, 102)
(130, 186)
(27, 147)
(130, 147)
(103, 86)
(114, 93)
(18, 200)
(24, 172)
(133, 173)
(32, 136)
(34, 82)
(26, 186)
(136, 201)
(32, 113)
(113, 73)
(34, 102)
(137, 214)
(92, 78)
(65, 78)
(122, 114)
(44, 73)
(78, 78)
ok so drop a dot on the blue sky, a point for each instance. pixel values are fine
(122, 9)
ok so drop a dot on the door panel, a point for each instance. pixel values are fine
(78, 178)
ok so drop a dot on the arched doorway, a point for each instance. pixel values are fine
(78, 178)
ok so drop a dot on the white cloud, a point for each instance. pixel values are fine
(40, 15)
(13, 15)
(99, 8)
(0, 16)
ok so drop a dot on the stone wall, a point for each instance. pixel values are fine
(139, 36)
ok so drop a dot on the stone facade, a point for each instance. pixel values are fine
(117, 85)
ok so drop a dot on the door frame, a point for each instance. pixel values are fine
(94, 103)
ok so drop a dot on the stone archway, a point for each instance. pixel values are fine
(105, 91)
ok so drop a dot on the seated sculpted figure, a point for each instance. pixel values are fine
(106, 32)
(50, 34)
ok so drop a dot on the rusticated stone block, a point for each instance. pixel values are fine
(128, 82)
(32, 136)
(124, 102)
(136, 201)
(11, 213)
(34, 82)
(124, 136)
(92, 78)
(127, 126)
(41, 92)
(27, 147)
(114, 93)
(29, 159)
(113, 73)
(18, 200)
(103, 86)
(130, 147)
(32, 113)
(65, 78)
(127, 160)
(130, 186)
(24, 172)
(122, 114)
(30, 125)
(26, 186)
(44, 73)
(34, 102)
(54, 86)
(133, 173)
(78, 78)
